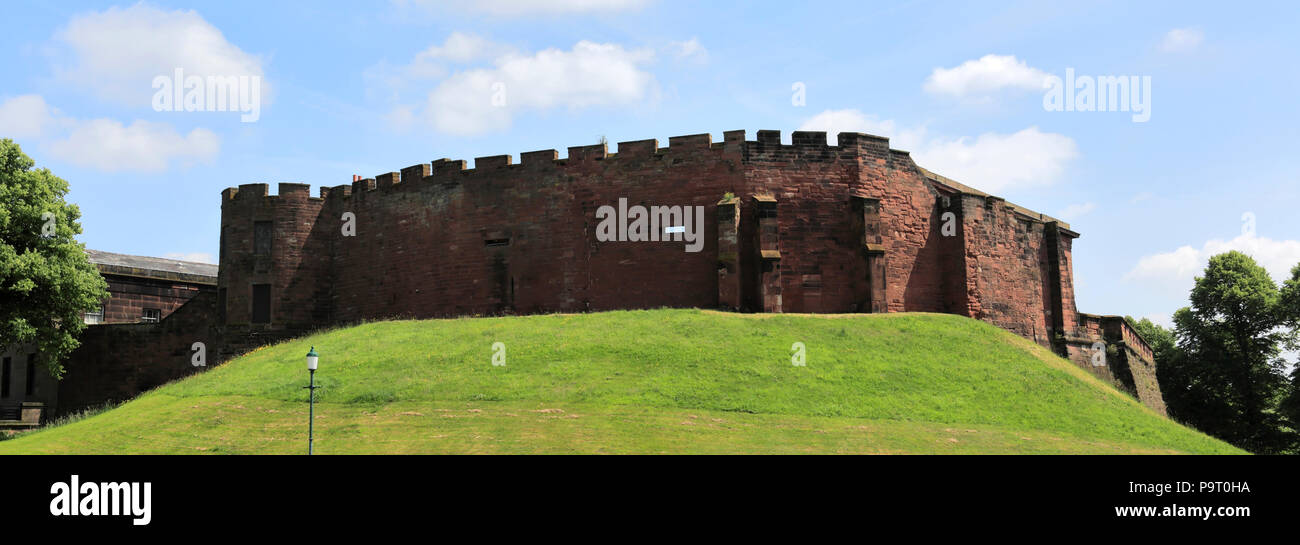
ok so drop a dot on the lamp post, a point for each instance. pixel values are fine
(312, 358)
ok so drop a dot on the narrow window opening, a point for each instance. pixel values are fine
(261, 303)
(261, 238)
(31, 375)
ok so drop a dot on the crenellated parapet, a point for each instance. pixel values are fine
(767, 147)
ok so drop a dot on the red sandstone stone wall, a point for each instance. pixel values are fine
(298, 267)
(1129, 362)
(422, 237)
(1005, 261)
(116, 362)
(442, 240)
(130, 296)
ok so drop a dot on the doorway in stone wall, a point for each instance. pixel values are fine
(503, 283)
(811, 284)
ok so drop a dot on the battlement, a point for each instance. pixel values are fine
(284, 191)
(805, 145)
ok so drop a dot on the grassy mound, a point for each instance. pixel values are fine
(679, 381)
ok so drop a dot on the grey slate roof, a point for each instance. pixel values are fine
(153, 267)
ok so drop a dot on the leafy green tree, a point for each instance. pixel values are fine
(46, 281)
(1161, 340)
(1227, 376)
(1290, 314)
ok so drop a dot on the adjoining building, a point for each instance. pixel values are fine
(145, 290)
(119, 353)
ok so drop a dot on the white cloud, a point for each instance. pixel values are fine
(995, 162)
(1177, 268)
(26, 116)
(591, 74)
(434, 62)
(834, 122)
(117, 53)
(982, 77)
(991, 162)
(690, 49)
(515, 8)
(461, 47)
(197, 257)
(1076, 211)
(107, 145)
(1181, 40)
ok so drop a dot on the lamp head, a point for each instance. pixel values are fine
(312, 358)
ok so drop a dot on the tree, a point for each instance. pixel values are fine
(46, 280)
(1226, 378)
(1161, 340)
(1289, 310)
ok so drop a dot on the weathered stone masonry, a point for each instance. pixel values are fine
(806, 227)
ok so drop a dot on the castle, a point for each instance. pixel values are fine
(746, 225)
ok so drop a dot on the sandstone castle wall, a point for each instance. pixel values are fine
(804, 227)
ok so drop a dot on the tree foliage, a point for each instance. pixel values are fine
(1226, 376)
(46, 281)
(1289, 308)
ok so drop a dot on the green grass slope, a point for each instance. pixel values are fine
(675, 381)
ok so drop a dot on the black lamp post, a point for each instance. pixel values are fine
(312, 358)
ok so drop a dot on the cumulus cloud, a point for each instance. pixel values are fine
(990, 162)
(1181, 40)
(484, 99)
(995, 162)
(26, 116)
(985, 76)
(834, 122)
(105, 144)
(515, 8)
(434, 62)
(461, 47)
(116, 53)
(143, 146)
(1178, 267)
(470, 85)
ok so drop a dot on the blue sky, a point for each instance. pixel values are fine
(351, 89)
